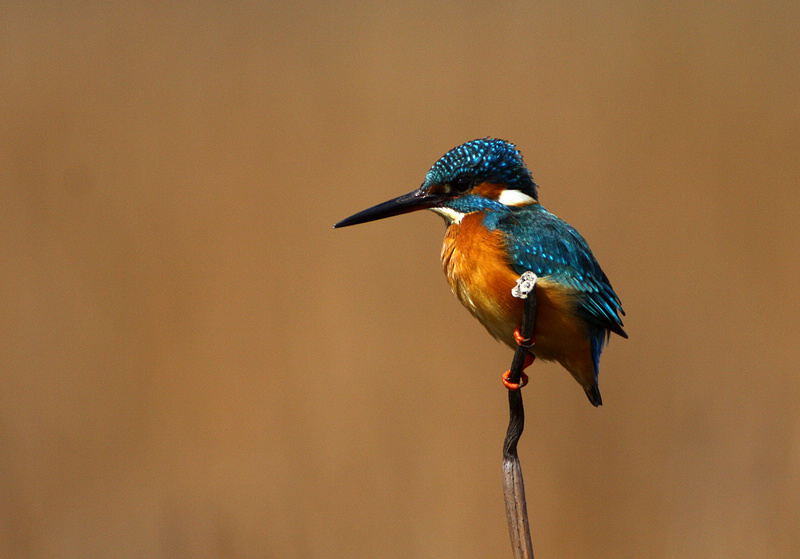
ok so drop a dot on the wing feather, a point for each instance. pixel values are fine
(548, 246)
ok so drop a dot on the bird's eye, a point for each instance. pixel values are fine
(461, 183)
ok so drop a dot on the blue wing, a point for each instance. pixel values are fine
(544, 244)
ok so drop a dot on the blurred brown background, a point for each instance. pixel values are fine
(195, 364)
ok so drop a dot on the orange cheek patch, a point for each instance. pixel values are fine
(489, 190)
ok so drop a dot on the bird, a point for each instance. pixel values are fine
(496, 230)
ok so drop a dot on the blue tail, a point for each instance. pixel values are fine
(599, 338)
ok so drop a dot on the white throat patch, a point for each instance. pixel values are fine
(449, 214)
(512, 197)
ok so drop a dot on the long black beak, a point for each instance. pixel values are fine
(418, 200)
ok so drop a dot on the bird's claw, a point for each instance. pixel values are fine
(523, 341)
(523, 380)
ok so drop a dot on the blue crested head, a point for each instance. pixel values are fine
(486, 160)
(486, 174)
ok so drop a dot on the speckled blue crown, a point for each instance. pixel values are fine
(488, 160)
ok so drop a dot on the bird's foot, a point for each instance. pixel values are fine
(522, 341)
(523, 378)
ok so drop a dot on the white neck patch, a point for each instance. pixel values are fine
(512, 197)
(449, 214)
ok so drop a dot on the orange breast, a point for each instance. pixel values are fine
(481, 277)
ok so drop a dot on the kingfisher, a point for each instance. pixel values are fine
(496, 230)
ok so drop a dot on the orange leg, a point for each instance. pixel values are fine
(524, 342)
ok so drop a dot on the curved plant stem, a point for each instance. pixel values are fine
(513, 485)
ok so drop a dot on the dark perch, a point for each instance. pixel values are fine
(513, 486)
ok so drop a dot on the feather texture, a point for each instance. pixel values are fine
(549, 247)
(485, 252)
